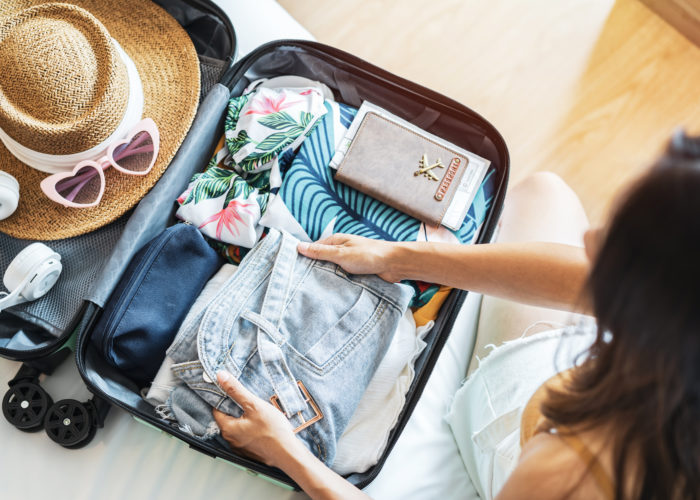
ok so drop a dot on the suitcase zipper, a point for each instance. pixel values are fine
(127, 293)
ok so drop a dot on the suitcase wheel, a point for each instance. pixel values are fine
(25, 405)
(70, 423)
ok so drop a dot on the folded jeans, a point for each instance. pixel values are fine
(281, 322)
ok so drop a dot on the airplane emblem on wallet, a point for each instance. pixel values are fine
(426, 169)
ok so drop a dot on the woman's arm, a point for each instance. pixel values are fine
(542, 274)
(264, 433)
(317, 480)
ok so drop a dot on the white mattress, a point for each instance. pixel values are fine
(128, 460)
(260, 21)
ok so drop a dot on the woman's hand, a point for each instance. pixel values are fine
(265, 434)
(536, 273)
(262, 432)
(355, 254)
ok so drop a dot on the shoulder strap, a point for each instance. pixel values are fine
(601, 477)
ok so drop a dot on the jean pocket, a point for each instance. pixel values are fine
(327, 316)
(499, 443)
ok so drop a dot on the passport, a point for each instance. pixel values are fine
(408, 168)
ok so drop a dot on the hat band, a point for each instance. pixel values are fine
(60, 163)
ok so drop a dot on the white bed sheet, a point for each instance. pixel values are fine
(259, 21)
(127, 460)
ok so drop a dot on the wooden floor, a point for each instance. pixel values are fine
(589, 89)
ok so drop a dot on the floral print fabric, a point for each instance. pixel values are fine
(262, 129)
(260, 126)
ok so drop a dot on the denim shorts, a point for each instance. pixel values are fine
(300, 333)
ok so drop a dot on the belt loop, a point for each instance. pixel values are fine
(271, 355)
(279, 285)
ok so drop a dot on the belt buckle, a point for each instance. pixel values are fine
(318, 415)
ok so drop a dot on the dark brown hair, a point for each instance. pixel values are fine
(642, 376)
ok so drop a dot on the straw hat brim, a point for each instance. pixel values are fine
(169, 69)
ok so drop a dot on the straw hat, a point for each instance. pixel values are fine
(75, 76)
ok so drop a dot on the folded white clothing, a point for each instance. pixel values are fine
(367, 434)
(164, 380)
(162, 384)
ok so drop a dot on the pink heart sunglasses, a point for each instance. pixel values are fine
(84, 186)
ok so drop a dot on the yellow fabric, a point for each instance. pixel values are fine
(430, 311)
(219, 146)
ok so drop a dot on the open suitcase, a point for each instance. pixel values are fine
(49, 325)
(352, 80)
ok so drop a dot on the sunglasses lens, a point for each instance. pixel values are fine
(83, 188)
(136, 155)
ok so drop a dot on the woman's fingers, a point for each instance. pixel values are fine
(355, 254)
(225, 422)
(336, 239)
(330, 248)
(230, 427)
(262, 432)
(341, 239)
(234, 430)
(237, 391)
(319, 251)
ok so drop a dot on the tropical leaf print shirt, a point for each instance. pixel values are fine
(262, 128)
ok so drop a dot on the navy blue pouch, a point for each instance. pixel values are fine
(150, 302)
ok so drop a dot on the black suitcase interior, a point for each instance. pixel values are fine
(352, 81)
(90, 260)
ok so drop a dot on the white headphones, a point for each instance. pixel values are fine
(30, 275)
(9, 195)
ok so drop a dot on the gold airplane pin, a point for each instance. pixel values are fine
(425, 168)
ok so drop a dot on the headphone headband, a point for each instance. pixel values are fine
(9, 195)
(30, 275)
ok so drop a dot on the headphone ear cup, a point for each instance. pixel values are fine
(38, 263)
(9, 195)
(44, 278)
